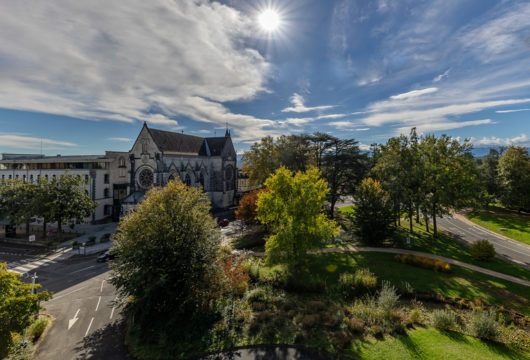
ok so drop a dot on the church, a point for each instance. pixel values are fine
(118, 180)
(159, 156)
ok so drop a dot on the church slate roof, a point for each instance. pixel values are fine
(168, 141)
(177, 142)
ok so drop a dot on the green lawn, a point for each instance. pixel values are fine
(446, 246)
(432, 344)
(460, 283)
(496, 217)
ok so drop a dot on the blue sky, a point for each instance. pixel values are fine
(82, 77)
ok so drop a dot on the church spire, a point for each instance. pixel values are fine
(227, 132)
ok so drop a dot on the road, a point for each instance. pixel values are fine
(511, 250)
(87, 324)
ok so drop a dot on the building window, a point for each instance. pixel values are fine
(201, 181)
(106, 178)
(106, 193)
(122, 162)
(187, 180)
(86, 179)
(122, 172)
(9, 177)
(107, 209)
(46, 176)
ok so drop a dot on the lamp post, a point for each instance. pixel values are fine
(33, 278)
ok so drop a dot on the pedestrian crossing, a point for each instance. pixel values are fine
(26, 265)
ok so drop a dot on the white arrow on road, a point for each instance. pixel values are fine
(72, 321)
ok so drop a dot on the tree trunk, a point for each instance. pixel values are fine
(435, 229)
(417, 214)
(410, 218)
(59, 226)
(331, 211)
(426, 223)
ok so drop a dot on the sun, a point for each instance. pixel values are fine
(269, 20)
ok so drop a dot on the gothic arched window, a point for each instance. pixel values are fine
(187, 180)
(201, 181)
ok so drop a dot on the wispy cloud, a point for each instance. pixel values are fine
(495, 141)
(414, 93)
(123, 62)
(299, 105)
(123, 139)
(441, 76)
(441, 126)
(32, 143)
(510, 111)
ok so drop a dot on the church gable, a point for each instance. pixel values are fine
(144, 143)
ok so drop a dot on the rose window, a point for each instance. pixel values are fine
(145, 179)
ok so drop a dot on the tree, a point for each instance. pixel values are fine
(514, 178)
(451, 180)
(260, 161)
(68, 199)
(247, 210)
(373, 216)
(489, 171)
(292, 208)
(17, 306)
(343, 166)
(167, 265)
(294, 152)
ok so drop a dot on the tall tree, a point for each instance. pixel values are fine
(373, 216)
(168, 250)
(292, 209)
(490, 173)
(343, 166)
(514, 178)
(295, 152)
(69, 201)
(260, 161)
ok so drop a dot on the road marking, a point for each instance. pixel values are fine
(71, 292)
(101, 288)
(112, 311)
(97, 306)
(89, 325)
(89, 267)
(72, 321)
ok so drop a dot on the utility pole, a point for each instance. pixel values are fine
(33, 278)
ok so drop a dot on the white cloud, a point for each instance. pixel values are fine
(127, 61)
(510, 111)
(32, 143)
(441, 76)
(440, 126)
(414, 93)
(119, 139)
(298, 101)
(495, 141)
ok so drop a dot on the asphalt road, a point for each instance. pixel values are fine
(511, 250)
(87, 322)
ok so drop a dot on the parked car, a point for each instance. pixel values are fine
(223, 223)
(107, 255)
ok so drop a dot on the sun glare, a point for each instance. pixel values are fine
(269, 20)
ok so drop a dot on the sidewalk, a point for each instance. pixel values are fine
(351, 248)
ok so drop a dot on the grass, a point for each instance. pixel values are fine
(496, 217)
(432, 344)
(460, 283)
(452, 248)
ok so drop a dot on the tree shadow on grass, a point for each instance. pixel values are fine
(106, 343)
(412, 348)
(454, 336)
(505, 351)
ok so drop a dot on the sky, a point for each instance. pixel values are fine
(81, 77)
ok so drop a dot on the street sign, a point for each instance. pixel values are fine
(31, 238)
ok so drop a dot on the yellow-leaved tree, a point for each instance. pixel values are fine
(293, 211)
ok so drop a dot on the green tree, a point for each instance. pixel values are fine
(68, 199)
(490, 173)
(343, 167)
(451, 180)
(295, 152)
(260, 161)
(292, 209)
(373, 216)
(17, 306)
(167, 263)
(514, 178)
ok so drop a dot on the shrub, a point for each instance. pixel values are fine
(91, 240)
(315, 307)
(37, 328)
(416, 316)
(483, 325)
(75, 244)
(388, 298)
(424, 262)
(444, 319)
(257, 295)
(482, 250)
(310, 320)
(356, 325)
(303, 283)
(362, 282)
